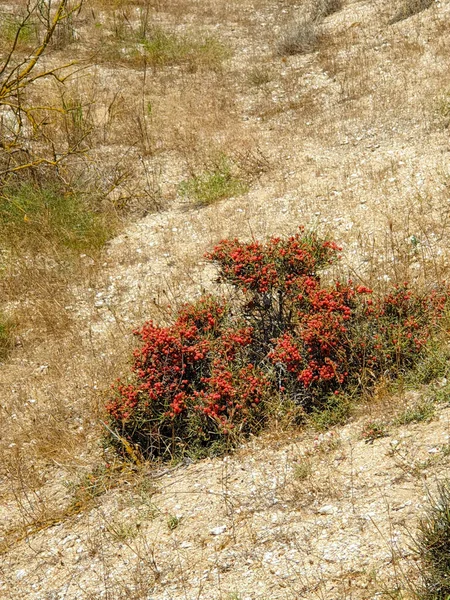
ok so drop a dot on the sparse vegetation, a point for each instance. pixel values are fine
(335, 410)
(303, 470)
(408, 8)
(374, 430)
(161, 49)
(172, 522)
(324, 8)
(433, 546)
(259, 76)
(422, 411)
(154, 46)
(27, 142)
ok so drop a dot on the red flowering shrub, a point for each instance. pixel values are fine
(205, 378)
(192, 382)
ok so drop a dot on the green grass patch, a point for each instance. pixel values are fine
(213, 185)
(159, 48)
(35, 218)
(10, 25)
(424, 411)
(434, 365)
(336, 410)
(162, 49)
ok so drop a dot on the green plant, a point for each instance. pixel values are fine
(122, 531)
(172, 522)
(303, 470)
(423, 411)
(163, 49)
(156, 47)
(442, 393)
(259, 76)
(335, 410)
(12, 26)
(442, 110)
(213, 185)
(433, 546)
(374, 430)
(433, 365)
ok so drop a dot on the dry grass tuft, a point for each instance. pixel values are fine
(408, 8)
(7, 327)
(302, 38)
(324, 8)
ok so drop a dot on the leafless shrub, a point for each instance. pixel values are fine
(21, 119)
(301, 39)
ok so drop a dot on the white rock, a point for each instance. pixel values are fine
(218, 530)
(328, 509)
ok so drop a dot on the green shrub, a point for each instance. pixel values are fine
(35, 217)
(423, 411)
(201, 383)
(335, 410)
(213, 185)
(433, 365)
(433, 547)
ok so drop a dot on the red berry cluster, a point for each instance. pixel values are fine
(277, 265)
(191, 379)
(208, 374)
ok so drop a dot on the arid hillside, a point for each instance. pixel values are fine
(134, 136)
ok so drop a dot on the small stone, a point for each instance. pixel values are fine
(328, 509)
(218, 530)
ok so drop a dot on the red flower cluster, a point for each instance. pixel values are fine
(207, 375)
(192, 378)
(278, 265)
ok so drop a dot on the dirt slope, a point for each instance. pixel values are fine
(351, 138)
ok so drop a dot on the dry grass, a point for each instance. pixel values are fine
(408, 8)
(302, 38)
